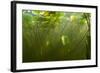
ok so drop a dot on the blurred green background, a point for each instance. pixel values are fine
(55, 36)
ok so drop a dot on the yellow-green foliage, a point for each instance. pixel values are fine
(55, 36)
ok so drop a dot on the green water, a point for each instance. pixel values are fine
(55, 36)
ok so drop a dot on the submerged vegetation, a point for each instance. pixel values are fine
(55, 36)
